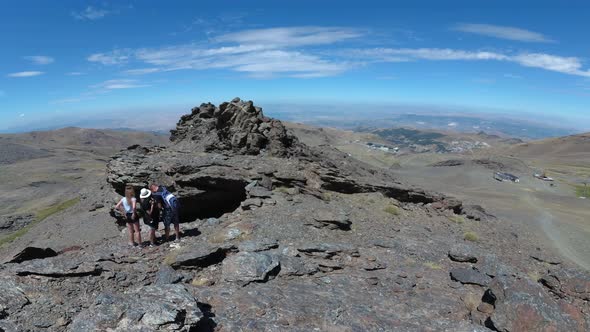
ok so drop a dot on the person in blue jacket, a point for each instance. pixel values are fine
(171, 209)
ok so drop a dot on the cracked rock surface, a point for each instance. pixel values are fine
(279, 236)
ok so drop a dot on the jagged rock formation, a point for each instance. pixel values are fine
(283, 237)
(236, 126)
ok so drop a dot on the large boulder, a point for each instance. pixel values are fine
(150, 308)
(247, 267)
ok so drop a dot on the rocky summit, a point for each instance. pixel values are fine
(280, 236)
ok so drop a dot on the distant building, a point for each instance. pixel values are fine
(542, 176)
(505, 177)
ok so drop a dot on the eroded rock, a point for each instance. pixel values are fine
(247, 267)
(150, 308)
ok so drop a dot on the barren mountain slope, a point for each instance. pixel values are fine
(281, 236)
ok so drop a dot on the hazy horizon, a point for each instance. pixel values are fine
(77, 62)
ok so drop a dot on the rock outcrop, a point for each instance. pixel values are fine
(279, 236)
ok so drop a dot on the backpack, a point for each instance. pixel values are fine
(170, 200)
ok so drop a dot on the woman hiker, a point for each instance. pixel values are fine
(127, 205)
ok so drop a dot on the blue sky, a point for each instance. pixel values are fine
(86, 60)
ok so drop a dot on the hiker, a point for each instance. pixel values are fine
(151, 213)
(127, 206)
(170, 212)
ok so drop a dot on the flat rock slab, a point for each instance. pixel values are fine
(259, 192)
(59, 267)
(470, 276)
(254, 246)
(149, 308)
(247, 267)
(327, 250)
(331, 220)
(462, 253)
(198, 256)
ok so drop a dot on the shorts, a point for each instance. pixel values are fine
(171, 217)
(151, 222)
(129, 218)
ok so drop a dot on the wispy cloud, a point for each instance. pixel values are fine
(39, 59)
(90, 13)
(75, 73)
(502, 32)
(292, 36)
(565, 65)
(307, 52)
(26, 74)
(117, 84)
(115, 57)
(260, 53)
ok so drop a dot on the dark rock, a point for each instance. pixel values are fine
(9, 224)
(12, 297)
(476, 212)
(521, 305)
(30, 253)
(251, 203)
(568, 283)
(150, 308)
(247, 267)
(296, 266)
(167, 275)
(259, 192)
(462, 253)
(470, 276)
(255, 246)
(543, 258)
(198, 255)
(62, 266)
(331, 220)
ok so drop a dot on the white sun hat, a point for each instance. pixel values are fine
(145, 193)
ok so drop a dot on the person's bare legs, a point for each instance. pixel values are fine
(153, 236)
(177, 231)
(166, 234)
(138, 231)
(130, 233)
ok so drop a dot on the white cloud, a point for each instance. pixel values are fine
(260, 53)
(565, 65)
(90, 13)
(26, 74)
(298, 52)
(74, 73)
(115, 57)
(291, 36)
(409, 54)
(503, 32)
(119, 84)
(141, 71)
(39, 59)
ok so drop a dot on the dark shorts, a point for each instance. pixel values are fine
(171, 217)
(153, 223)
(129, 218)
